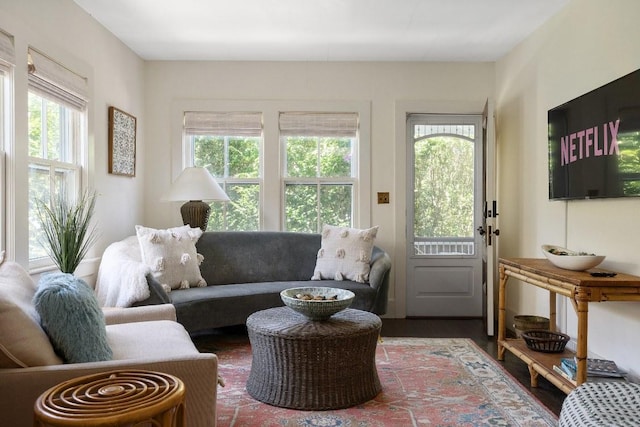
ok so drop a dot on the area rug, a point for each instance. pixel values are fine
(431, 382)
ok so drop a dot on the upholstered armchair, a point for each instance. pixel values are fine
(146, 338)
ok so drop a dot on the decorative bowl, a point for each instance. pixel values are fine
(335, 300)
(571, 260)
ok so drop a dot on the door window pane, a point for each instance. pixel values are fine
(443, 191)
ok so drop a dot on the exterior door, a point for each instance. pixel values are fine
(489, 229)
(444, 263)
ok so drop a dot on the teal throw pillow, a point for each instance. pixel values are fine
(71, 317)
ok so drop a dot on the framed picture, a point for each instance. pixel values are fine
(122, 143)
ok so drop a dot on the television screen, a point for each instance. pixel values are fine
(594, 143)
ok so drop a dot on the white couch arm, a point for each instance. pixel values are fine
(115, 315)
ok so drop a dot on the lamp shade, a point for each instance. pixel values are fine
(195, 183)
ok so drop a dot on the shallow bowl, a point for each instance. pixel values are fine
(571, 260)
(317, 309)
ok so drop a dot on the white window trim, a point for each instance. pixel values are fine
(6, 141)
(272, 184)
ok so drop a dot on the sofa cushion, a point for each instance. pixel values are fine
(147, 340)
(172, 255)
(345, 253)
(70, 314)
(23, 343)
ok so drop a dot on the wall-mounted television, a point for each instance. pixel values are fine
(594, 143)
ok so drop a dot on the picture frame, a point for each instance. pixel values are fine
(122, 143)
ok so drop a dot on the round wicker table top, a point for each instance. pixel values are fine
(113, 398)
(283, 322)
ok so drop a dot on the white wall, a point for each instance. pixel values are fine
(63, 31)
(590, 43)
(388, 87)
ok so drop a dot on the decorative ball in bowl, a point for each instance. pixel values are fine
(317, 303)
(571, 260)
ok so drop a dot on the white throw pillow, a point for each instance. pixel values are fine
(171, 255)
(345, 253)
(23, 342)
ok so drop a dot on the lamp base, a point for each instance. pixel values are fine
(195, 213)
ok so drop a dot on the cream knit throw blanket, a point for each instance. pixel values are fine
(121, 277)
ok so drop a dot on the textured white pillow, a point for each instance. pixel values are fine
(345, 253)
(171, 255)
(23, 342)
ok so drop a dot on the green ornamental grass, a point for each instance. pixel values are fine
(68, 234)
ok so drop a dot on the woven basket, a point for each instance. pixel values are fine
(545, 341)
(525, 322)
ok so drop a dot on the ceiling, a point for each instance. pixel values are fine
(322, 30)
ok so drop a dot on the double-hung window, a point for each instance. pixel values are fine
(229, 145)
(57, 140)
(320, 170)
(7, 62)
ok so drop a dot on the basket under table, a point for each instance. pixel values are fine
(313, 365)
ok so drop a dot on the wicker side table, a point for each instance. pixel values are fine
(115, 398)
(313, 365)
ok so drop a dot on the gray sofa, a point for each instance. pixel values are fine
(245, 272)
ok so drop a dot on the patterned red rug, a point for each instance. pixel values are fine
(426, 382)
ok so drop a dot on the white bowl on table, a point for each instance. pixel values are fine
(571, 260)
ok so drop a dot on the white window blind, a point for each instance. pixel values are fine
(54, 81)
(7, 51)
(319, 124)
(222, 123)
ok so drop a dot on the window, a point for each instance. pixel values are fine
(57, 138)
(229, 146)
(319, 169)
(285, 165)
(7, 62)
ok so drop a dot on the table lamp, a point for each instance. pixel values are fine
(195, 184)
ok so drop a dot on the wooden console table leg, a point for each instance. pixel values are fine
(581, 347)
(552, 311)
(501, 312)
(533, 374)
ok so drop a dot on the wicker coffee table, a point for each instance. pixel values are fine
(313, 365)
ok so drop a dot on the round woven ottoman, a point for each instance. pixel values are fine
(115, 398)
(602, 404)
(313, 365)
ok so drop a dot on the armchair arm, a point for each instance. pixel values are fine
(21, 387)
(145, 313)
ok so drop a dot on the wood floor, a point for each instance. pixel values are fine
(546, 393)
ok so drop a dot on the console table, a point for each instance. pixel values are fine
(581, 288)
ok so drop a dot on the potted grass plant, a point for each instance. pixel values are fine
(67, 230)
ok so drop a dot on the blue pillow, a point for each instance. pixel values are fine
(71, 317)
